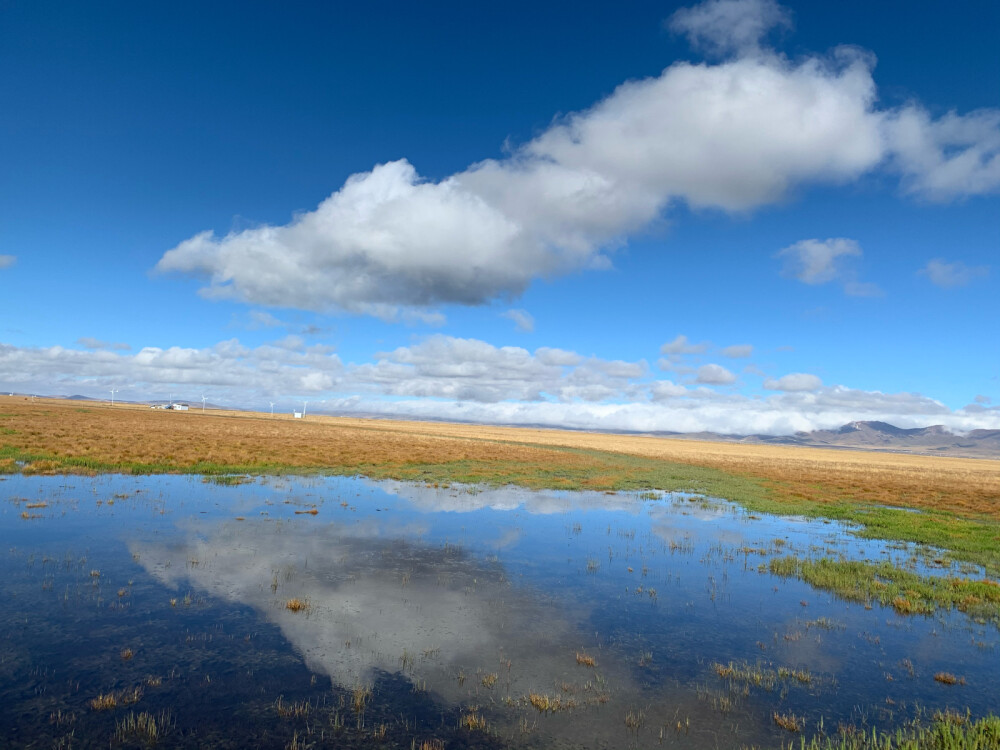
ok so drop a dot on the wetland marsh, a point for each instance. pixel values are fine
(344, 612)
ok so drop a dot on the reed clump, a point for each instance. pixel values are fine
(788, 722)
(293, 709)
(113, 699)
(360, 697)
(947, 678)
(473, 722)
(143, 727)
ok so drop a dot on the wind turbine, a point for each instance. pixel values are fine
(203, 404)
(113, 392)
(304, 409)
(272, 407)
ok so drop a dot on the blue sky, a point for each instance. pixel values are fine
(737, 216)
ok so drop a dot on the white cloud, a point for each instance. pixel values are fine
(796, 381)
(262, 319)
(523, 320)
(822, 261)
(559, 357)
(951, 157)
(465, 379)
(951, 275)
(473, 370)
(663, 390)
(723, 26)
(291, 342)
(715, 375)
(228, 367)
(681, 345)
(733, 136)
(6, 261)
(780, 414)
(737, 351)
(430, 318)
(818, 261)
(672, 364)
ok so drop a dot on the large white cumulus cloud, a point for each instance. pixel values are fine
(734, 135)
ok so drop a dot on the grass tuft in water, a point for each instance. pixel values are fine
(143, 727)
(907, 592)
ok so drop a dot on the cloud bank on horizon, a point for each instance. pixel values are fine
(733, 136)
(444, 377)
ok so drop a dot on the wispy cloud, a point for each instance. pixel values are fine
(796, 381)
(680, 346)
(951, 157)
(721, 27)
(257, 319)
(523, 320)
(715, 375)
(737, 351)
(951, 275)
(822, 261)
(6, 261)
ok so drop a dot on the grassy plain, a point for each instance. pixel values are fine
(958, 499)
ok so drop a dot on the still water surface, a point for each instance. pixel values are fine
(408, 616)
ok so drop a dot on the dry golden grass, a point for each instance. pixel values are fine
(137, 435)
(967, 486)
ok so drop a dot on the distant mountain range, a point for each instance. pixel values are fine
(936, 440)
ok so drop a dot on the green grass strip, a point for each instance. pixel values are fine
(905, 591)
(945, 732)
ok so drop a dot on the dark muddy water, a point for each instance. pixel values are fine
(185, 613)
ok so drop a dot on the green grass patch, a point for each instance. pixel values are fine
(946, 731)
(969, 540)
(906, 592)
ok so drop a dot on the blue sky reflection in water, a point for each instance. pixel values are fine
(445, 601)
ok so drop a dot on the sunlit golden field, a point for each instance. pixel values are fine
(125, 436)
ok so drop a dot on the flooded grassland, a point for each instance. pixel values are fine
(343, 612)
